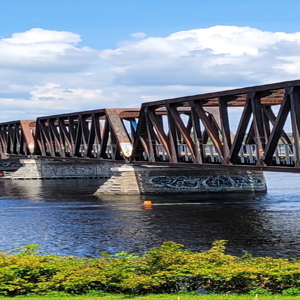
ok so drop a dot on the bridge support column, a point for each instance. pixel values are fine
(122, 182)
(165, 180)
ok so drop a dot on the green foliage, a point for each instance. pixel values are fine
(260, 292)
(293, 291)
(57, 294)
(167, 269)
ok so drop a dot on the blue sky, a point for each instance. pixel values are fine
(60, 56)
(105, 23)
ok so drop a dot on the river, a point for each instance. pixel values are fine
(64, 217)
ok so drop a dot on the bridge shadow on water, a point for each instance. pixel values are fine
(64, 217)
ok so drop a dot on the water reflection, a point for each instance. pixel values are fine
(64, 217)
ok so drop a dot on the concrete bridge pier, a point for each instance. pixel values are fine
(128, 179)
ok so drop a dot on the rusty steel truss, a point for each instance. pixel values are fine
(98, 134)
(193, 131)
(202, 134)
(16, 138)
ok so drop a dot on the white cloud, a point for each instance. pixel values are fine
(45, 51)
(45, 72)
(38, 35)
(220, 55)
(139, 35)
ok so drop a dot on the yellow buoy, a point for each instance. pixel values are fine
(148, 205)
(147, 202)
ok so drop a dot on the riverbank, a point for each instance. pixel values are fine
(169, 269)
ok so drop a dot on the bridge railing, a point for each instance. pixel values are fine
(110, 151)
(283, 156)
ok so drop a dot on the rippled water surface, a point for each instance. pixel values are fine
(64, 217)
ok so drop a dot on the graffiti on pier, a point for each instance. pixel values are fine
(10, 164)
(62, 170)
(210, 183)
(54, 170)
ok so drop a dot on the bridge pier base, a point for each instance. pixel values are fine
(120, 178)
(165, 180)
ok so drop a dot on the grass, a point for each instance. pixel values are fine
(157, 297)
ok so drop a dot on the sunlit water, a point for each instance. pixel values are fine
(64, 217)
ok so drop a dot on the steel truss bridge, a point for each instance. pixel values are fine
(193, 131)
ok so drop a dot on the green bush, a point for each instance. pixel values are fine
(293, 291)
(167, 269)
